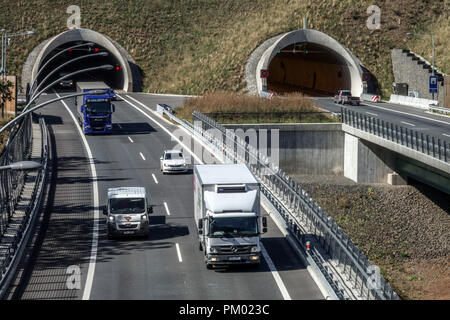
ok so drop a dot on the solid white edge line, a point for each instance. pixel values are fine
(154, 178)
(188, 149)
(167, 208)
(274, 271)
(94, 247)
(310, 270)
(142, 156)
(178, 252)
(153, 111)
(409, 114)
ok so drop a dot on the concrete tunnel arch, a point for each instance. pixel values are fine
(129, 70)
(341, 64)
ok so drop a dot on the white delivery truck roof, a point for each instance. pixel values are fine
(230, 202)
(92, 85)
(126, 192)
(225, 174)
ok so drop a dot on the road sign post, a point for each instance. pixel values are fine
(433, 85)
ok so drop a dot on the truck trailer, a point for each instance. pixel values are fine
(94, 111)
(227, 214)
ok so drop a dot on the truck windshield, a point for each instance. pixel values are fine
(233, 227)
(346, 93)
(98, 107)
(127, 205)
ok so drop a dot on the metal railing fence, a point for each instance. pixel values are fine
(17, 148)
(14, 247)
(305, 219)
(435, 147)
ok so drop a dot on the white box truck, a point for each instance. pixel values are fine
(227, 214)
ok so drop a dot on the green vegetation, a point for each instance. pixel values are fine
(201, 46)
(228, 108)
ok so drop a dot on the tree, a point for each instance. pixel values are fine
(5, 91)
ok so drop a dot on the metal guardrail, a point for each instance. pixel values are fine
(409, 138)
(439, 109)
(307, 220)
(343, 265)
(17, 148)
(22, 144)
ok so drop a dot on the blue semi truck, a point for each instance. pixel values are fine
(94, 111)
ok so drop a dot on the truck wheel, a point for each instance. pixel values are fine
(209, 266)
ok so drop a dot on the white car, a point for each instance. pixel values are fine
(173, 161)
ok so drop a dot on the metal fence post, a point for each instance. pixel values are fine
(433, 145)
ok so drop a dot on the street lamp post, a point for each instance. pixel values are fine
(13, 121)
(103, 54)
(22, 165)
(5, 38)
(55, 56)
(103, 67)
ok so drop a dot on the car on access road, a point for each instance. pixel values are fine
(345, 96)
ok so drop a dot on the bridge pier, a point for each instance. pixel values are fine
(365, 162)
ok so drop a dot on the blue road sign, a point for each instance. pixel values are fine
(433, 84)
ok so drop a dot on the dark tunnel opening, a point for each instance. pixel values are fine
(114, 78)
(308, 68)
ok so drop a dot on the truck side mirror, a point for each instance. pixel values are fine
(264, 223)
(161, 158)
(82, 109)
(150, 209)
(105, 211)
(113, 108)
(200, 226)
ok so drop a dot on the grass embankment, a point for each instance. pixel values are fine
(240, 108)
(201, 46)
(402, 229)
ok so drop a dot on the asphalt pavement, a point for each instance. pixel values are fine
(407, 117)
(167, 265)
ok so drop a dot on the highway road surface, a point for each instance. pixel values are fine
(407, 117)
(70, 256)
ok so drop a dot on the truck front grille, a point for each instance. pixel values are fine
(233, 249)
(128, 226)
(98, 123)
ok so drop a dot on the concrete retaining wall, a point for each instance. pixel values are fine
(412, 69)
(325, 149)
(306, 148)
(412, 101)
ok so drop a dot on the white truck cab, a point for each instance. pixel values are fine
(127, 212)
(227, 214)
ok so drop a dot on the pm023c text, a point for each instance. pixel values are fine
(228, 309)
(245, 309)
